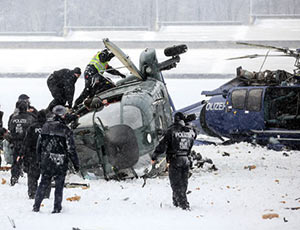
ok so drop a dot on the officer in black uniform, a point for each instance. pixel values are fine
(177, 144)
(95, 82)
(31, 165)
(17, 127)
(61, 84)
(24, 98)
(30, 109)
(54, 148)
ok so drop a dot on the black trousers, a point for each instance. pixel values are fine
(93, 87)
(33, 174)
(178, 175)
(16, 167)
(59, 97)
(59, 178)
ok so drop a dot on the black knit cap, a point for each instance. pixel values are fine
(23, 97)
(77, 70)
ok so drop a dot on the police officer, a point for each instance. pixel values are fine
(61, 84)
(95, 82)
(99, 64)
(31, 166)
(25, 98)
(177, 144)
(54, 148)
(17, 127)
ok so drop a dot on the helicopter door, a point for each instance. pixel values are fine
(282, 108)
(246, 112)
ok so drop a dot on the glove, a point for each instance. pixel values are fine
(122, 75)
(75, 107)
(96, 103)
(69, 117)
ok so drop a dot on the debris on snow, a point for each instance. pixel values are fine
(74, 198)
(250, 167)
(270, 216)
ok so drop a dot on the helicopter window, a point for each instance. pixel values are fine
(254, 100)
(110, 115)
(238, 98)
(132, 116)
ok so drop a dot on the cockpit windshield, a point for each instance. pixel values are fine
(115, 114)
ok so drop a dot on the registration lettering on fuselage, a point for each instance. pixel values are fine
(215, 106)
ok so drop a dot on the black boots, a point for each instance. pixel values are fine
(56, 210)
(35, 209)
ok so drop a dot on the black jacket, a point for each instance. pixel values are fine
(55, 146)
(63, 80)
(31, 110)
(30, 143)
(177, 142)
(18, 126)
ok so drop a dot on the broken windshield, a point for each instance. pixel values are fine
(115, 114)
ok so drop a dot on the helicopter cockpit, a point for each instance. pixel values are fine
(282, 107)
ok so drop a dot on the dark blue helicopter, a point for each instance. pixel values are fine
(258, 107)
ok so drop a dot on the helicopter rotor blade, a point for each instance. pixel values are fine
(285, 50)
(256, 56)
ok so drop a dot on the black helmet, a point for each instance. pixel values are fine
(59, 110)
(179, 116)
(23, 97)
(104, 55)
(77, 70)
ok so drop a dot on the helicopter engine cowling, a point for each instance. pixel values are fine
(121, 146)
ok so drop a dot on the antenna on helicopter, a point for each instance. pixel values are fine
(264, 60)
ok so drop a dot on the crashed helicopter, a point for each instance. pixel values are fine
(259, 107)
(114, 141)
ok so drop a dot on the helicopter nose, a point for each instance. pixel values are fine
(121, 146)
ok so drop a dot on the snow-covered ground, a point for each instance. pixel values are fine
(233, 197)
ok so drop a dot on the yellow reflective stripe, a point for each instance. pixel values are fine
(100, 66)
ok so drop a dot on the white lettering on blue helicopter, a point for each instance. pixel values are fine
(215, 106)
